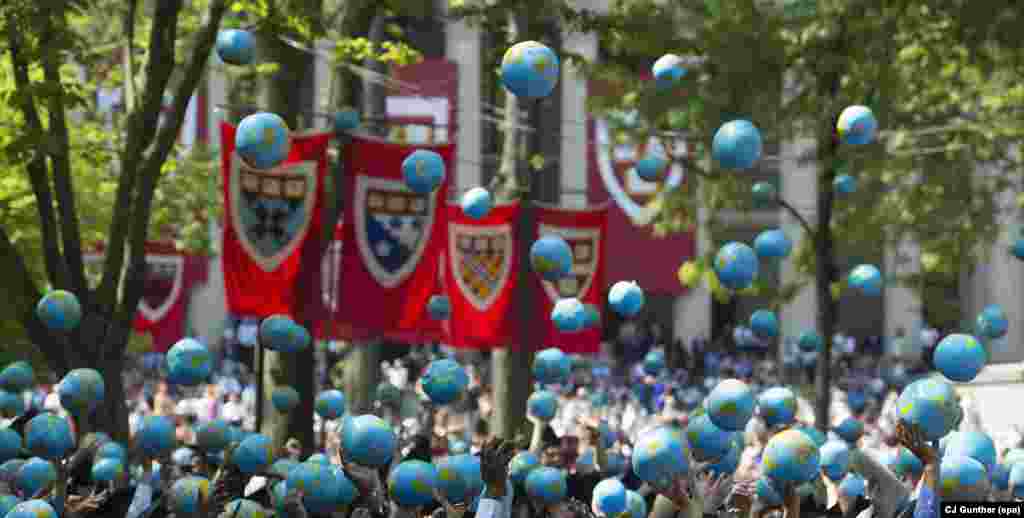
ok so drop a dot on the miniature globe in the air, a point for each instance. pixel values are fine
(187, 494)
(730, 405)
(11, 404)
(17, 376)
(444, 381)
(183, 456)
(319, 458)
(660, 456)
(346, 491)
(8, 502)
(960, 357)
(615, 464)
(962, 478)
(1017, 480)
(835, 460)
(551, 366)
(49, 436)
(976, 445)
(626, 298)
(412, 483)
(263, 140)
(810, 341)
(468, 467)
(253, 454)
(450, 481)
(551, 257)
(330, 404)
(59, 310)
(346, 120)
(368, 441)
(388, 394)
(857, 400)
(591, 317)
(737, 145)
(318, 484)
(477, 203)
(546, 485)
(790, 456)
(852, 486)
(609, 497)
(764, 323)
(155, 436)
(850, 429)
(654, 362)
(10, 468)
(866, 279)
(569, 315)
(857, 125)
(736, 266)
(636, 504)
(190, 362)
(542, 405)
(107, 470)
(777, 406)
(81, 391)
(1017, 248)
(773, 244)
(424, 171)
(991, 322)
(213, 436)
(930, 404)
(844, 185)
(530, 70)
(112, 450)
(668, 70)
(274, 331)
(727, 464)
(1000, 477)
(707, 441)
(763, 192)
(32, 509)
(652, 168)
(815, 435)
(236, 46)
(35, 474)
(439, 307)
(10, 444)
(521, 465)
(284, 398)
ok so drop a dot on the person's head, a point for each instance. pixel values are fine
(235, 397)
(293, 448)
(211, 390)
(162, 388)
(481, 432)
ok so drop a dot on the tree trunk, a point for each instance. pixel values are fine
(112, 416)
(825, 275)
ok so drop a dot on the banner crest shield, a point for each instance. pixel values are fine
(393, 227)
(481, 261)
(585, 244)
(165, 276)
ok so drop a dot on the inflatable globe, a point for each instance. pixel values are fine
(49, 436)
(790, 456)
(668, 70)
(844, 185)
(263, 140)
(607, 436)
(11, 404)
(636, 504)
(551, 257)
(730, 405)
(772, 244)
(253, 454)
(388, 394)
(857, 125)
(155, 436)
(10, 444)
(930, 404)
(34, 475)
(529, 70)
(187, 494)
(318, 484)
(81, 391)
(444, 381)
(777, 406)
(728, 464)
(1017, 248)
(960, 357)
(546, 485)
(346, 120)
(242, 508)
(346, 491)
(330, 404)
(183, 456)
(213, 436)
(477, 203)
(59, 310)
(521, 465)
(763, 193)
(764, 323)
(32, 509)
(296, 339)
(654, 362)
(275, 331)
(991, 323)
(8, 502)
(810, 341)
(107, 470)
(569, 315)
(856, 400)
(609, 498)
(468, 467)
(962, 478)
(282, 467)
(112, 450)
(189, 362)
(424, 171)
(450, 481)
(976, 445)
(10, 468)
(236, 47)
(551, 366)
(909, 463)
(439, 307)
(814, 434)
(17, 376)
(835, 460)
(1000, 477)
(626, 298)
(866, 279)
(615, 465)
(319, 458)
(737, 145)
(542, 405)
(660, 456)
(707, 442)
(850, 429)
(852, 486)
(591, 317)
(652, 168)
(1017, 480)
(284, 398)
(458, 447)
(736, 266)
(767, 494)
(412, 483)
(369, 441)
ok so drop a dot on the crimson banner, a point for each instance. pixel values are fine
(480, 277)
(394, 240)
(162, 312)
(585, 231)
(272, 228)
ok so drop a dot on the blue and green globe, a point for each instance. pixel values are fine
(213, 435)
(976, 445)
(773, 244)
(777, 406)
(8, 502)
(546, 485)
(107, 470)
(626, 298)
(189, 362)
(609, 498)
(423, 171)
(668, 70)
(867, 279)
(253, 454)
(318, 483)
(660, 456)
(764, 323)
(529, 70)
(59, 310)
(521, 465)
(636, 504)
(263, 140)
(991, 323)
(857, 125)
(236, 47)
(444, 381)
(542, 405)
(930, 404)
(284, 398)
(17, 376)
(707, 442)
(81, 391)
(10, 444)
(962, 478)
(451, 482)
(791, 456)
(731, 405)
(330, 404)
(736, 265)
(368, 441)
(737, 145)
(155, 436)
(850, 429)
(49, 436)
(11, 404)
(652, 168)
(35, 474)
(960, 357)
(187, 494)
(412, 483)
(275, 331)
(477, 203)
(844, 185)
(32, 509)
(439, 307)
(551, 366)
(551, 257)
(112, 450)
(835, 459)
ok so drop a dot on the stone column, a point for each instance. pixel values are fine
(902, 305)
(463, 47)
(216, 98)
(692, 311)
(573, 162)
(799, 188)
(323, 77)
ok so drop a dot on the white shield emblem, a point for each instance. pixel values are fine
(272, 209)
(393, 226)
(481, 261)
(585, 244)
(164, 279)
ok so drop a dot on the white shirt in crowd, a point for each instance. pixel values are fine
(233, 411)
(929, 336)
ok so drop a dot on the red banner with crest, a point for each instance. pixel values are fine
(394, 239)
(585, 231)
(272, 228)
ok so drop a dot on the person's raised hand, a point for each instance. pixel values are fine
(714, 489)
(494, 459)
(913, 439)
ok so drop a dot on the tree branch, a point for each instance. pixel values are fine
(130, 93)
(799, 217)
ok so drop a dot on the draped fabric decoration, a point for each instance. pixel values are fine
(585, 231)
(330, 286)
(480, 273)
(394, 241)
(272, 228)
